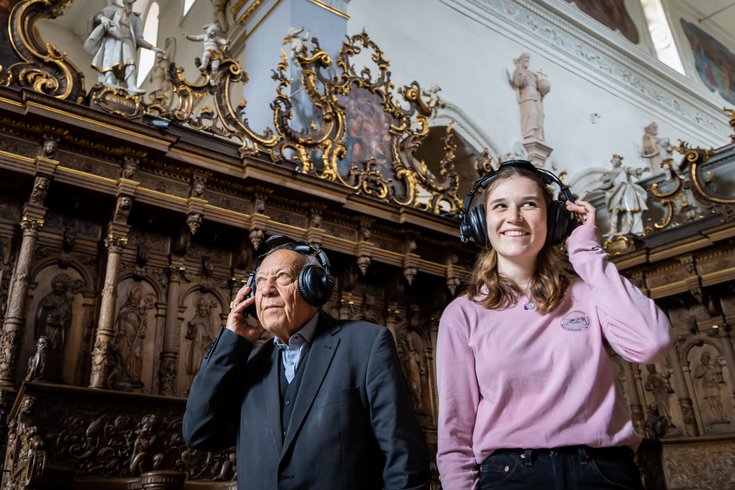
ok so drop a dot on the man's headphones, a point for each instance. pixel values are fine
(314, 281)
(560, 221)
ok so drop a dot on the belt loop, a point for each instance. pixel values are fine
(527, 457)
(584, 456)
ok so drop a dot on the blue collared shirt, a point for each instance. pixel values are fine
(297, 346)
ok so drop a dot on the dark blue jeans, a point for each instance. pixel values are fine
(563, 468)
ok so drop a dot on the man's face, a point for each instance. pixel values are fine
(281, 308)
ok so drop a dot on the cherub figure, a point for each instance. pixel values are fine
(214, 48)
(296, 38)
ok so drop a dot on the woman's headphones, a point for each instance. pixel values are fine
(560, 221)
(314, 281)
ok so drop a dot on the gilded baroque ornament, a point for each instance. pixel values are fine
(689, 194)
(43, 68)
(360, 136)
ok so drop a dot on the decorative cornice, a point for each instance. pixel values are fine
(610, 63)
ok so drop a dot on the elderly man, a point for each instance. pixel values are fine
(323, 406)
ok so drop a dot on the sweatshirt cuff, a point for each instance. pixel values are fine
(583, 234)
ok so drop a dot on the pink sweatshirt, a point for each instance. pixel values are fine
(514, 378)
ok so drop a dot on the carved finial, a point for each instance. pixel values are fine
(199, 185)
(259, 203)
(256, 237)
(40, 189)
(363, 263)
(194, 222)
(122, 209)
(130, 167)
(410, 274)
(50, 144)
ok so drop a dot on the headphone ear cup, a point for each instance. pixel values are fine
(315, 285)
(560, 223)
(477, 224)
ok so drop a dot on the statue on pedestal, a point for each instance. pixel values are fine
(115, 35)
(531, 88)
(625, 200)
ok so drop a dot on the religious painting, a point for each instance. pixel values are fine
(612, 14)
(714, 62)
(7, 54)
(368, 133)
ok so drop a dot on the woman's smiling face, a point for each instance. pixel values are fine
(516, 213)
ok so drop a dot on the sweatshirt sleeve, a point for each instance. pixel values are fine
(459, 396)
(631, 322)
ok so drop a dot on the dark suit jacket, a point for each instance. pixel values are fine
(352, 425)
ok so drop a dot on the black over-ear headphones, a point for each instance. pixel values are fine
(560, 221)
(314, 281)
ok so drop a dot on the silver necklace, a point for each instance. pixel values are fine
(529, 304)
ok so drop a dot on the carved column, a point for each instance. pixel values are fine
(34, 213)
(169, 353)
(636, 408)
(682, 391)
(115, 243)
(30, 224)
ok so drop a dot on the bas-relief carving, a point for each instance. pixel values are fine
(201, 330)
(659, 387)
(56, 314)
(135, 332)
(699, 466)
(558, 34)
(53, 318)
(712, 389)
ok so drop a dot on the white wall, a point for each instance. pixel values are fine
(465, 46)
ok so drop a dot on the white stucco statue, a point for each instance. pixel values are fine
(214, 48)
(115, 35)
(531, 88)
(625, 200)
(655, 149)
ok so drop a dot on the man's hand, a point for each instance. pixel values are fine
(236, 319)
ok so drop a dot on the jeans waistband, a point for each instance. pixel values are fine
(585, 452)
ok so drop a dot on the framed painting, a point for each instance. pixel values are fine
(715, 63)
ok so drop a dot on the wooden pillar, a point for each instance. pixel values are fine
(169, 354)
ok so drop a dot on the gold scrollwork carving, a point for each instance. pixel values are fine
(322, 148)
(687, 192)
(43, 68)
(222, 120)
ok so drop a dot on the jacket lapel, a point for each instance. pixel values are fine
(271, 399)
(317, 365)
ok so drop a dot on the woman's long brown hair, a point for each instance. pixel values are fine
(554, 272)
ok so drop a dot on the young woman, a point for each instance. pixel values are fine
(527, 394)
